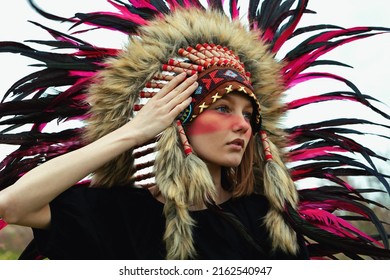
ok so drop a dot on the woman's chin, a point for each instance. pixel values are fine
(232, 163)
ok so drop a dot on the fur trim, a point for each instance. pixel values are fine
(282, 235)
(172, 185)
(279, 189)
(184, 182)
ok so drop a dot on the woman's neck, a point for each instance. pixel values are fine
(222, 194)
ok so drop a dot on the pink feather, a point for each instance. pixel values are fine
(334, 224)
(313, 153)
(316, 99)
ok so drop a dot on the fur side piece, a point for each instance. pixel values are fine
(172, 185)
(184, 182)
(283, 236)
(279, 189)
(201, 188)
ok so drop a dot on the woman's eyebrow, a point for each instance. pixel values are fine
(248, 105)
(228, 97)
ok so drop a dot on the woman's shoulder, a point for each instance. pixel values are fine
(252, 200)
(256, 198)
(120, 195)
(253, 203)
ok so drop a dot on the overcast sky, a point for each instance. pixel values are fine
(370, 57)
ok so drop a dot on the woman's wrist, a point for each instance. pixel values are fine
(128, 137)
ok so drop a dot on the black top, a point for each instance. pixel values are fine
(128, 223)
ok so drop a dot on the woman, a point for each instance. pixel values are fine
(220, 136)
(219, 187)
(223, 107)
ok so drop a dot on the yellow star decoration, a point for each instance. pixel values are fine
(202, 107)
(242, 89)
(229, 89)
(215, 97)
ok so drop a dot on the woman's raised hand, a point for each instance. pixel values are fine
(161, 110)
(27, 201)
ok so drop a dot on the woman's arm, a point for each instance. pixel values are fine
(26, 201)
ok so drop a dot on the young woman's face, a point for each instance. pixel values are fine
(220, 134)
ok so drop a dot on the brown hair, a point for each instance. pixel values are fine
(243, 179)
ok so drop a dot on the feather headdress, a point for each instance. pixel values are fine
(119, 81)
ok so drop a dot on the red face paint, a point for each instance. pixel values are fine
(212, 132)
(209, 121)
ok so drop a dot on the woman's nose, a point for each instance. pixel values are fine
(241, 123)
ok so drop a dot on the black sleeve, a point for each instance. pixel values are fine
(260, 206)
(102, 224)
(73, 230)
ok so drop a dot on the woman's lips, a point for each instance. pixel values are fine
(237, 143)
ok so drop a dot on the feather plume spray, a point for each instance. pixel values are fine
(335, 244)
(318, 150)
(72, 70)
(334, 197)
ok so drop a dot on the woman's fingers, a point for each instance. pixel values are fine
(171, 85)
(162, 109)
(180, 93)
(180, 107)
(178, 87)
(175, 96)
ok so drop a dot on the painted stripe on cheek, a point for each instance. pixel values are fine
(208, 122)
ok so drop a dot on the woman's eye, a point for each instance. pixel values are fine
(248, 115)
(222, 109)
